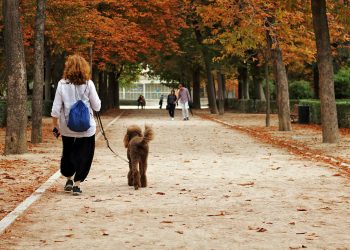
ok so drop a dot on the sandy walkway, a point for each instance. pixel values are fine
(209, 187)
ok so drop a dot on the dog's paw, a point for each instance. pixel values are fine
(136, 187)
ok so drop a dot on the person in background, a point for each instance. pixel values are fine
(184, 98)
(78, 147)
(171, 104)
(141, 102)
(161, 101)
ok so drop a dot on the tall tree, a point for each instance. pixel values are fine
(196, 71)
(37, 103)
(329, 118)
(221, 97)
(279, 69)
(16, 135)
(208, 67)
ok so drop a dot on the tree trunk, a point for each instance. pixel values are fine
(316, 81)
(196, 87)
(48, 76)
(220, 92)
(257, 81)
(103, 90)
(246, 89)
(243, 82)
(329, 117)
(95, 76)
(223, 79)
(240, 89)
(116, 96)
(116, 84)
(268, 98)
(210, 84)
(111, 89)
(16, 135)
(282, 91)
(261, 93)
(37, 102)
(281, 83)
(58, 68)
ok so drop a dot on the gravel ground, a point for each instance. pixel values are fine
(210, 187)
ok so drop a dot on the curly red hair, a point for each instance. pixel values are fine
(76, 70)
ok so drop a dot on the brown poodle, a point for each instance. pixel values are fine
(137, 145)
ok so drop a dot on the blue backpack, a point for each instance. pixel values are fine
(79, 116)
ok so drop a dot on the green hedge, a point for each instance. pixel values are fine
(253, 106)
(47, 105)
(128, 102)
(257, 106)
(343, 111)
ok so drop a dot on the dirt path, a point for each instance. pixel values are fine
(209, 187)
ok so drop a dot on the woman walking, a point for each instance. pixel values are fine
(171, 104)
(78, 147)
(184, 99)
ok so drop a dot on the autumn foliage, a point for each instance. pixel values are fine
(119, 31)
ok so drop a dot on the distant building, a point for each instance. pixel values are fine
(150, 88)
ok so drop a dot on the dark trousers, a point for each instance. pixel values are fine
(171, 110)
(77, 156)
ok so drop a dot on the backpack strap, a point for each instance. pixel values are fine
(76, 92)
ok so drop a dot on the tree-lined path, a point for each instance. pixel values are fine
(209, 187)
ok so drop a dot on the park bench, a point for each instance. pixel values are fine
(294, 114)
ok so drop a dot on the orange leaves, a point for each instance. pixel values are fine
(119, 31)
(132, 29)
(242, 27)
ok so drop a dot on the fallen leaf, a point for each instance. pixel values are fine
(69, 235)
(292, 223)
(276, 168)
(261, 230)
(166, 221)
(179, 232)
(160, 193)
(301, 209)
(251, 183)
(336, 174)
(222, 213)
(105, 233)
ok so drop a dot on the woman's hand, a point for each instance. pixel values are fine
(56, 131)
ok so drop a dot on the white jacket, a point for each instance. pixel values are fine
(66, 95)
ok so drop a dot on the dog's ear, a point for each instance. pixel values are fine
(126, 140)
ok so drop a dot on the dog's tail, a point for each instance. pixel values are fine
(148, 135)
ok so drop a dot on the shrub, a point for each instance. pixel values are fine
(343, 111)
(342, 83)
(300, 90)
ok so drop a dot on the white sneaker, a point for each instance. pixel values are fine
(172, 119)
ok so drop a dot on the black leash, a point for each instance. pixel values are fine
(104, 135)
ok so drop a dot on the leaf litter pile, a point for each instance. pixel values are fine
(21, 175)
(304, 140)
